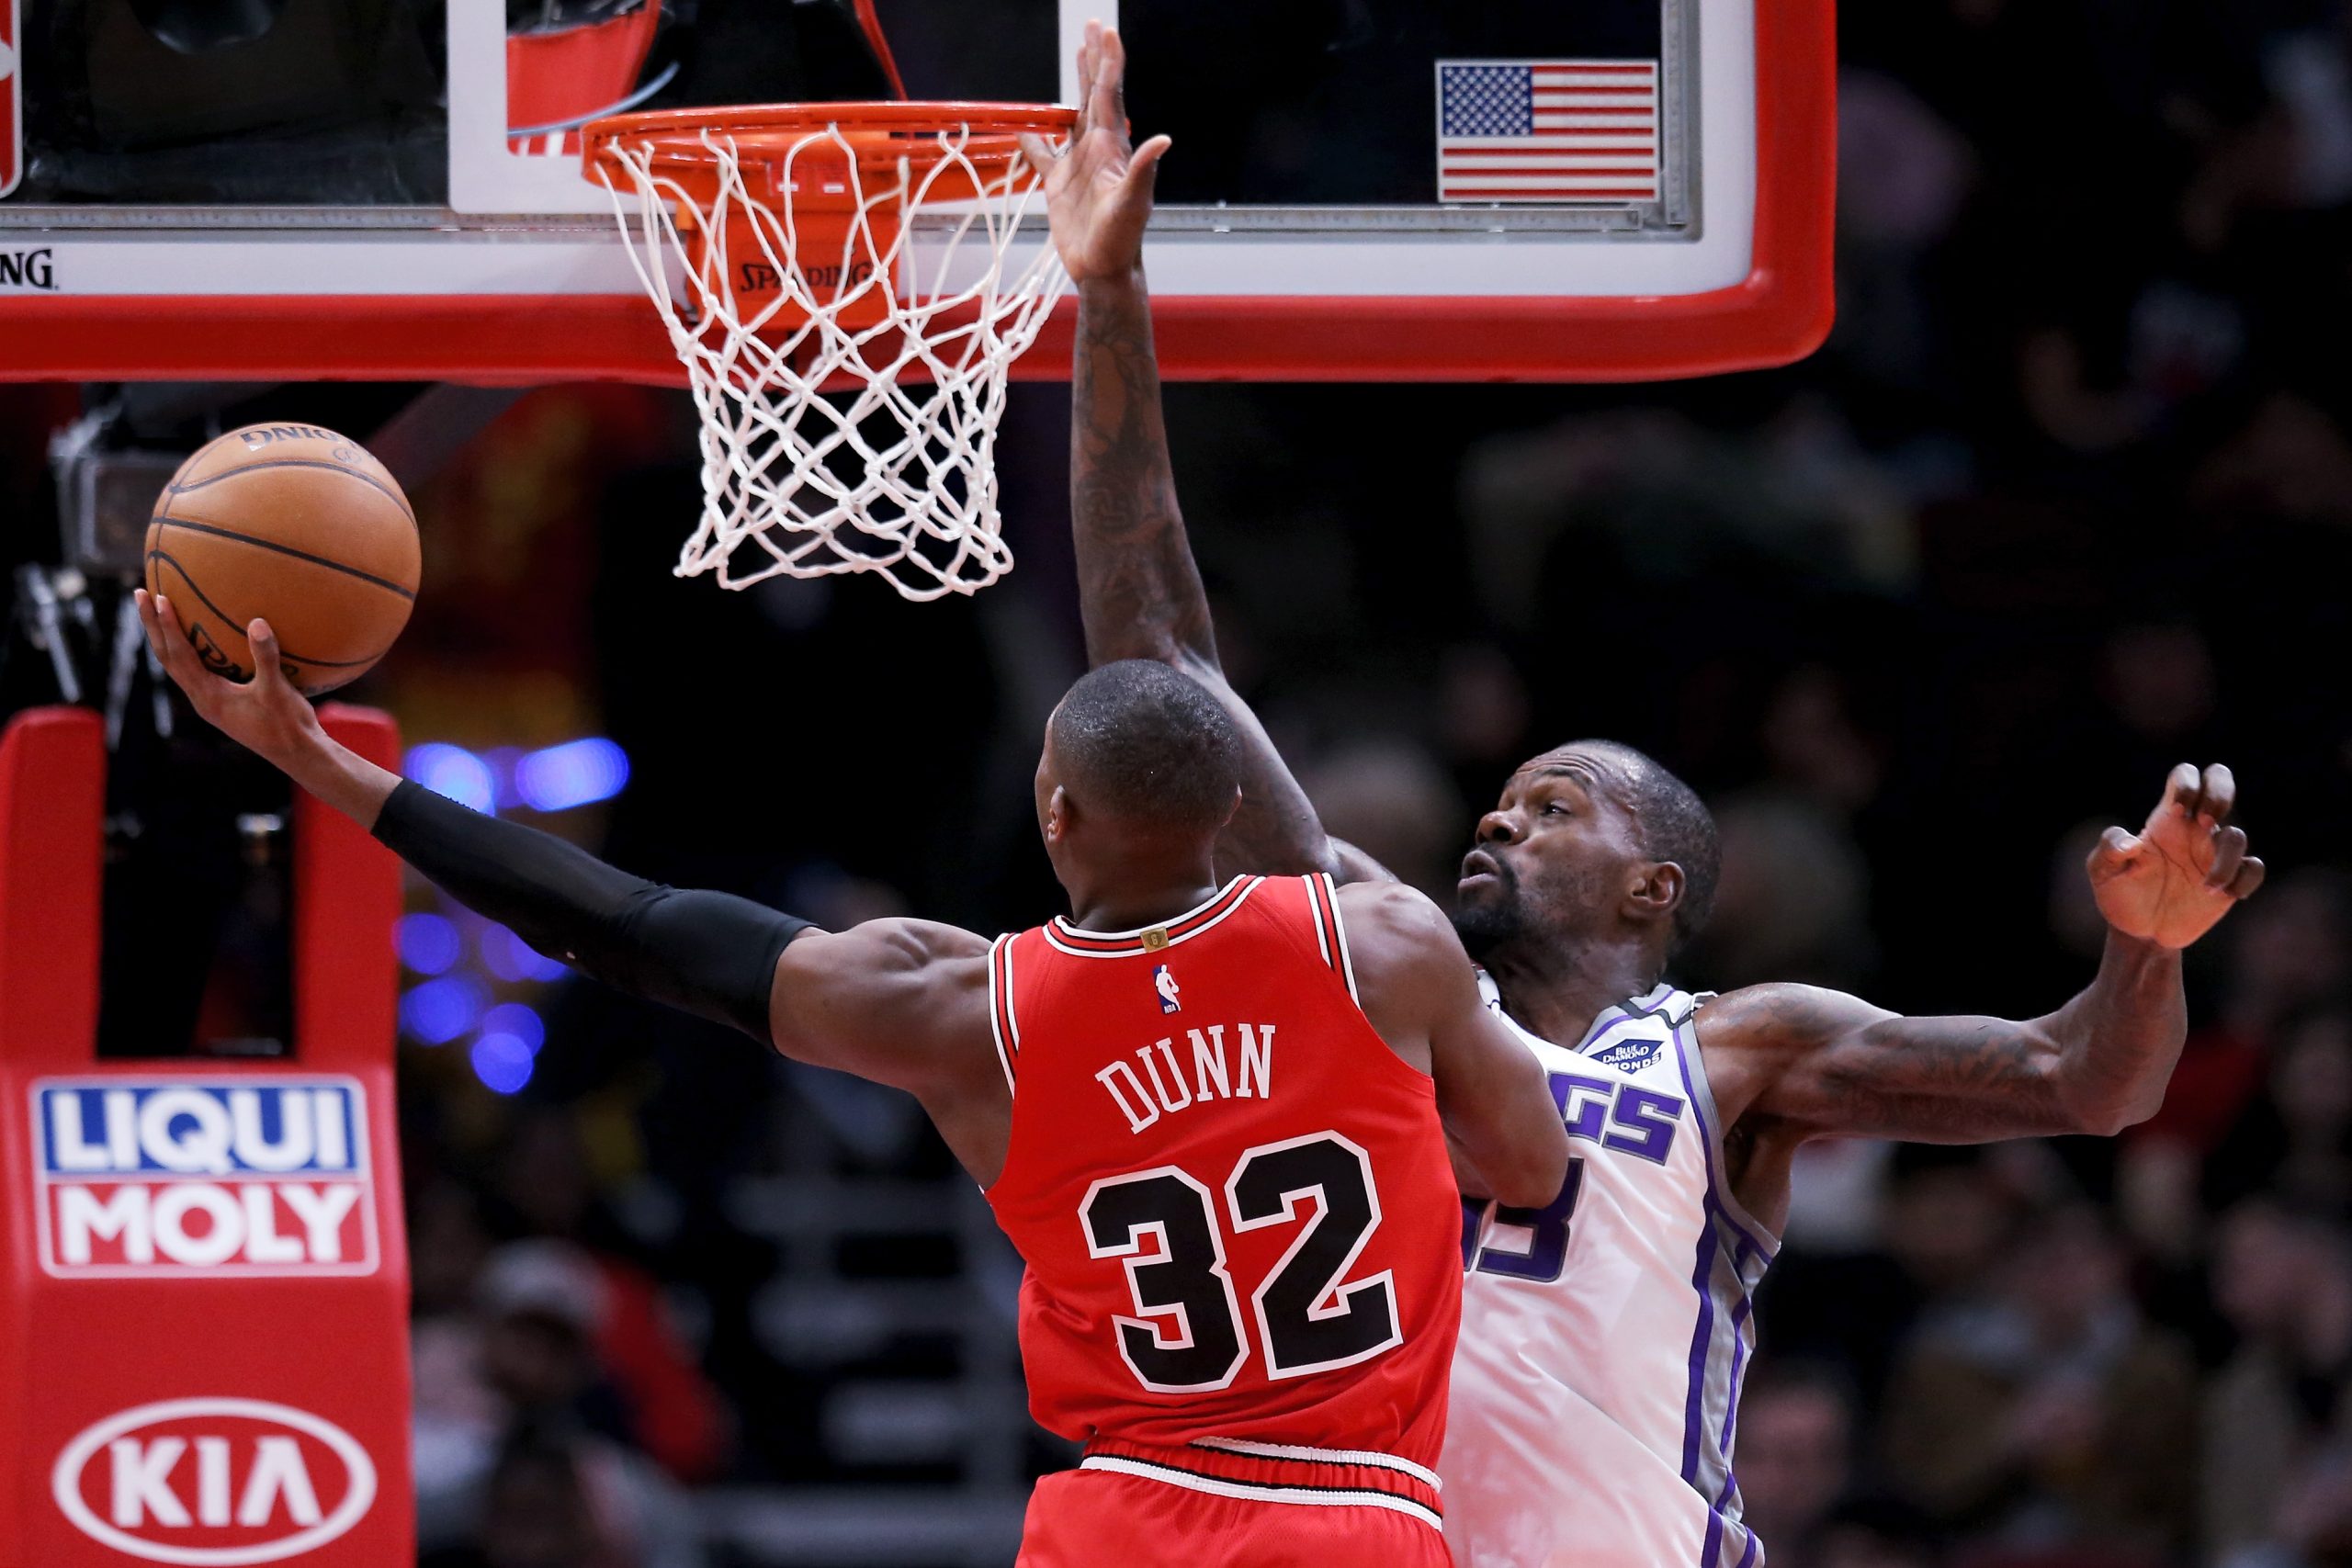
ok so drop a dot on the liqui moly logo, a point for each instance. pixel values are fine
(150, 1178)
(213, 1482)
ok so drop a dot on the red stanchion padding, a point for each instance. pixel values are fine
(52, 812)
(203, 1325)
(346, 973)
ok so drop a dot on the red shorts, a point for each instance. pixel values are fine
(1130, 1506)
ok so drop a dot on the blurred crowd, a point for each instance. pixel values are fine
(2067, 500)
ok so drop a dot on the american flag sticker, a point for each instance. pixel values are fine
(12, 116)
(1547, 130)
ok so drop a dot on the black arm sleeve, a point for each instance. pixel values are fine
(711, 955)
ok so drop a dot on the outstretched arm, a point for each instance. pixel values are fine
(1821, 1063)
(1139, 589)
(1845, 1067)
(901, 1002)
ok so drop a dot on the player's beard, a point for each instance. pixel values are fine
(1494, 920)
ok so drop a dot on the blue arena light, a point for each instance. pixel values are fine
(501, 760)
(516, 1019)
(429, 945)
(509, 957)
(501, 1062)
(578, 772)
(439, 1010)
(455, 772)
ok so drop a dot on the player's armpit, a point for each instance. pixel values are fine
(900, 1002)
(1825, 1063)
(1417, 982)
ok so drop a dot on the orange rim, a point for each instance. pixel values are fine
(879, 135)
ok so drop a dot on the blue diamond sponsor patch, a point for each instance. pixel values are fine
(1630, 1055)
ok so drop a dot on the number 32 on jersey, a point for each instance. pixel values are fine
(1189, 1333)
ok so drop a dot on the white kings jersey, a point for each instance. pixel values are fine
(1596, 1379)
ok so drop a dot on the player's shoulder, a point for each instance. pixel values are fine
(1780, 1016)
(900, 943)
(903, 1003)
(920, 973)
(1393, 924)
(1392, 905)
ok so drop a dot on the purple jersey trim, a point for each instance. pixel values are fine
(1625, 1013)
(1607, 1021)
(1703, 1105)
(1739, 1314)
(1702, 1345)
(1721, 1209)
(1702, 1335)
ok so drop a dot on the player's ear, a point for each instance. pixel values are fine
(1060, 815)
(1657, 890)
(1231, 810)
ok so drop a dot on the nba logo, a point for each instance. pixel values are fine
(1165, 984)
(12, 118)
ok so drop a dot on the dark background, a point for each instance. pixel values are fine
(2066, 500)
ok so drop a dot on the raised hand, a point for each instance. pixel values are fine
(1098, 190)
(2183, 870)
(265, 714)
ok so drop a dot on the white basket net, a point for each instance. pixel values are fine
(894, 470)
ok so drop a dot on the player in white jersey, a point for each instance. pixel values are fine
(1604, 1336)
(1612, 1328)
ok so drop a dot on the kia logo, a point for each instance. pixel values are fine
(213, 1482)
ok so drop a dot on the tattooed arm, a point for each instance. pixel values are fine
(1818, 1063)
(1140, 591)
(1824, 1064)
(1139, 588)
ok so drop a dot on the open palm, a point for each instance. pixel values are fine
(265, 714)
(2181, 873)
(1098, 191)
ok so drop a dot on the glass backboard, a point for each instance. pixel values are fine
(1359, 189)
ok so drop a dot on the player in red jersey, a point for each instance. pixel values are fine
(1224, 1149)
(1250, 1163)
(1215, 1121)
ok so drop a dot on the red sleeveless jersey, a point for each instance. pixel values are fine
(1233, 1197)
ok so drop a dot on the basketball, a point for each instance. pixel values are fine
(297, 524)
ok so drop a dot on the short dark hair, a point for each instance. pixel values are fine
(1675, 825)
(1142, 741)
